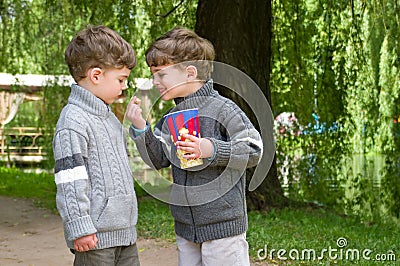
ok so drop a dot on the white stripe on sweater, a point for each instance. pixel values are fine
(256, 142)
(71, 175)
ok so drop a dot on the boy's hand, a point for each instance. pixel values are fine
(134, 114)
(196, 147)
(85, 243)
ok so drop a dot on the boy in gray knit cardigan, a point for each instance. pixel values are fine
(95, 192)
(208, 201)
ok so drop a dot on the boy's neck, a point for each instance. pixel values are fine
(194, 86)
(86, 84)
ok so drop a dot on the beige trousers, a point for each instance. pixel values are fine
(230, 251)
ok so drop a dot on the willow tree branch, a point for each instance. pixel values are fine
(171, 11)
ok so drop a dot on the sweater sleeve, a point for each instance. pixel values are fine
(243, 147)
(71, 178)
(150, 146)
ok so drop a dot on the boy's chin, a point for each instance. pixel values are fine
(166, 97)
(120, 99)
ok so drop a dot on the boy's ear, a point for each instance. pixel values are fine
(191, 72)
(94, 74)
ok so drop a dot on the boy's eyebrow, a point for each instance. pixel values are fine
(157, 69)
(160, 68)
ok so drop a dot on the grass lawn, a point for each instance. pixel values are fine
(295, 236)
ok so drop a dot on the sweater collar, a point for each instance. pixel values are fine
(198, 98)
(88, 101)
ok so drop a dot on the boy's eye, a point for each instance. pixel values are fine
(158, 74)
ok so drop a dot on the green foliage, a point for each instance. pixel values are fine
(155, 220)
(341, 60)
(320, 168)
(390, 187)
(26, 115)
(308, 166)
(41, 187)
(52, 24)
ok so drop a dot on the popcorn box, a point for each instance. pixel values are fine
(184, 122)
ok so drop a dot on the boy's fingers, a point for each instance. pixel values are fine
(190, 156)
(190, 137)
(186, 144)
(186, 148)
(135, 100)
(132, 100)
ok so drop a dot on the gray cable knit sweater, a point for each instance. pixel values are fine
(208, 200)
(95, 192)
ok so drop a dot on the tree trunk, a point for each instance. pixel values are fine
(240, 31)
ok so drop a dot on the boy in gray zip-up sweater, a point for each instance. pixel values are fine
(95, 193)
(207, 201)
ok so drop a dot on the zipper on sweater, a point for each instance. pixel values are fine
(190, 207)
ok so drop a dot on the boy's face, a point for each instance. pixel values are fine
(171, 81)
(111, 84)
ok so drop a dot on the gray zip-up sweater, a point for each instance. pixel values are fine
(95, 192)
(208, 200)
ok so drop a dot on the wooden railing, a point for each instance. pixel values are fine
(21, 144)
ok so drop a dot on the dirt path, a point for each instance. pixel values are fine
(34, 237)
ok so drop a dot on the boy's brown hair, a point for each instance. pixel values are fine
(181, 45)
(98, 46)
